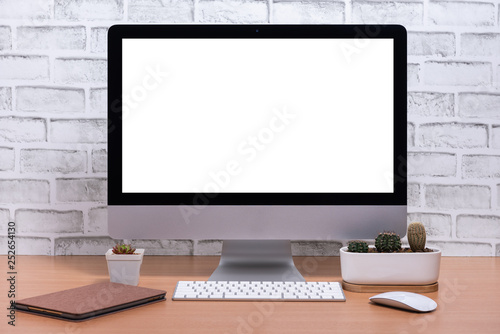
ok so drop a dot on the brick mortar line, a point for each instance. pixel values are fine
(450, 212)
(270, 9)
(480, 151)
(443, 181)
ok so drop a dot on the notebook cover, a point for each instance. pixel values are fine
(90, 300)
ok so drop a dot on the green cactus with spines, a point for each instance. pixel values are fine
(123, 249)
(416, 236)
(357, 246)
(388, 242)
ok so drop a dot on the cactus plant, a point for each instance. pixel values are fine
(123, 249)
(357, 246)
(388, 242)
(416, 236)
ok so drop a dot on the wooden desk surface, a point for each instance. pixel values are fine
(468, 300)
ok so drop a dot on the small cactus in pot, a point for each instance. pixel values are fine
(416, 237)
(123, 249)
(357, 246)
(388, 242)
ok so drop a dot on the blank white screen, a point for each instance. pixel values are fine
(257, 115)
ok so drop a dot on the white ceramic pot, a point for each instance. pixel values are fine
(390, 268)
(125, 268)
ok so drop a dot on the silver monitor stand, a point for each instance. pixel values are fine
(256, 260)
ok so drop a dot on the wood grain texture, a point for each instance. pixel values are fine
(385, 288)
(468, 300)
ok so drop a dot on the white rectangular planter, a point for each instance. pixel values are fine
(390, 268)
(125, 268)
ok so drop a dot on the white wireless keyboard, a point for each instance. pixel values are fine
(244, 290)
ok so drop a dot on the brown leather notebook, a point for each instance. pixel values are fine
(90, 301)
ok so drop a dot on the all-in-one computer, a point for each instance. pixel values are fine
(256, 135)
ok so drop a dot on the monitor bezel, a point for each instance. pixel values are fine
(119, 32)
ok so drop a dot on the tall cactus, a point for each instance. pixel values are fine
(416, 236)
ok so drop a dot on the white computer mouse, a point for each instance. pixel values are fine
(405, 300)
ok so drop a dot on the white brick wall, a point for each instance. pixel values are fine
(436, 225)
(22, 129)
(80, 70)
(14, 191)
(98, 40)
(52, 161)
(54, 38)
(5, 38)
(5, 98)
(413, 194)
(7, 159)
(452, 135)
(48, 99)
(27, 9)
(461, 13)
(479, 105)
(463, 196)
(413, 74)
(430, 104)
(308, 12)
(407, 13)
(473, 226)
(457, 73)
(495, 137)
(481, 45)
(81, 190)
(49, 221)
(25, 67)
(78, 130)
(232, 11)
(152, 11)
(100, 161)
(53, 114)
(98, 100)
(431, 44)
(92, 10)
(431, 164)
